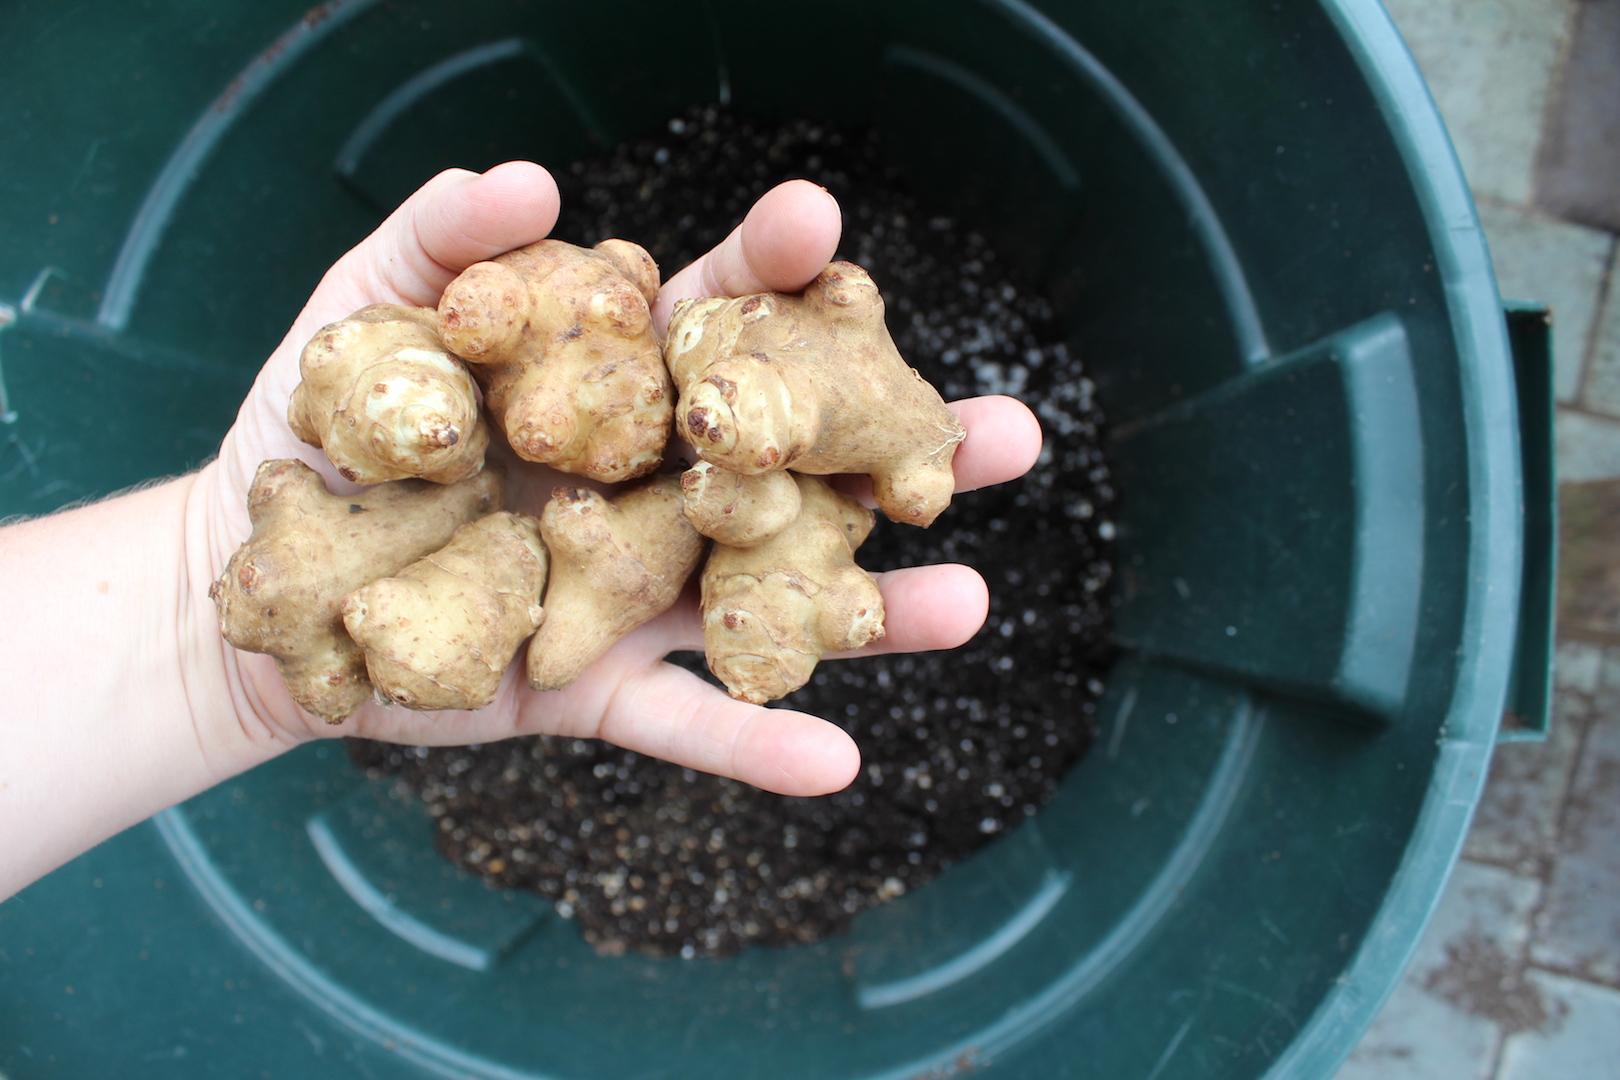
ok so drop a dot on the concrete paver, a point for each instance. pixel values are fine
(1580, 1041)
(1578, 928)
(1588, 446)
(1578, 171)
(1601, 390)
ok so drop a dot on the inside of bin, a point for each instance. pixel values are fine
(1253, 290)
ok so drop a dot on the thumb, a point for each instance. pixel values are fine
(454, 220)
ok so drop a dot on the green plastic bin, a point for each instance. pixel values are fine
(1333, 549)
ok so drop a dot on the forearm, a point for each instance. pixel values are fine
(117, 698)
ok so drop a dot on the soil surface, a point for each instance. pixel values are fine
(956, 747)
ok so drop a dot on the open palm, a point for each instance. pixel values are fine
(630, 696)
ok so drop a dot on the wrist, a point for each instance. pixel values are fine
(117, 688)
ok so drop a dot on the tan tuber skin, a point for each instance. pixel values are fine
(813, 383)
(561, 339)
(309, 549)
(614, 566)
(772, 610)
(441, 633)
(385, 400)
(737, 510)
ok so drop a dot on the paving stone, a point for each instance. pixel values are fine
(1558, 264)
(1609, 677)
(1580, 1041)
(1578, 168)
(1588, 570)
(1578, 928)
(1490, 65)
(1588, 446)
(1463, 989)
(1601, 392)
(1579, 666)
(1516, 823)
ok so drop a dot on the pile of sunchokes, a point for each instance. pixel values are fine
(421, 589)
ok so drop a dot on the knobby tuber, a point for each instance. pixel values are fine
(738, 510)
(561, 339)
(614, 565)
(385, 400)
(441, 633)
(813, 382)
(309, 549)
(770, 611)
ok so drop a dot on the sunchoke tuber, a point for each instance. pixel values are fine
(772, 610)
(614, 565)
(441, 633)
(738, 510)
(309, 549)
(561, 339)
(385, 400)
(813, 383)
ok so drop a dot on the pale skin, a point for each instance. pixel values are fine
(122, 699)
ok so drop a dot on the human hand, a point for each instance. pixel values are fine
(631, 696)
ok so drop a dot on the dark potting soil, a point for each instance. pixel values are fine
(958, 746)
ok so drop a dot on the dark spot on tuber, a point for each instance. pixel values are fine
(573, 333)
(762, 357)
(356, 508)
(727, 388)
(249, 577)
(697, 422)
(349, 474)
(750, 305)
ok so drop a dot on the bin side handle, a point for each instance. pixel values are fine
(1529, 701)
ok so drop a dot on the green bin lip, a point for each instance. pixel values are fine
(1485, 656)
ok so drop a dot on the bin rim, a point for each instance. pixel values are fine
(1485, 651)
